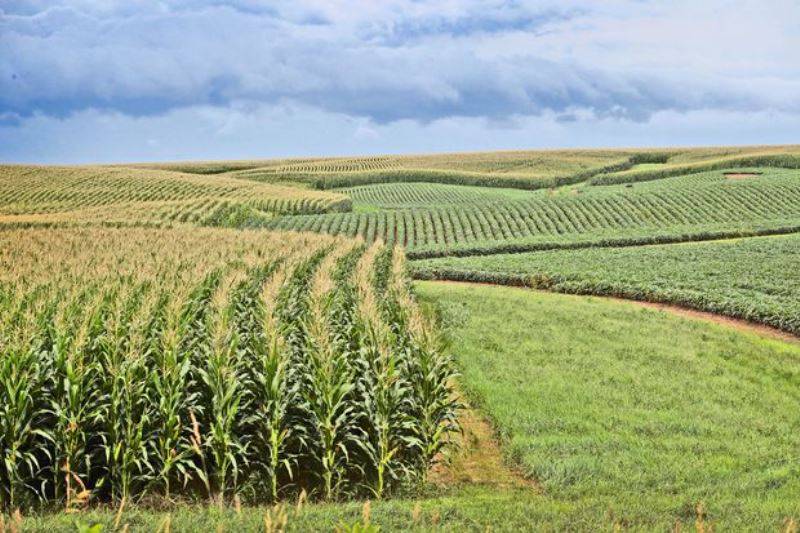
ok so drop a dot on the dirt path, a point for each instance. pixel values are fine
(477, 458)
(735, 323)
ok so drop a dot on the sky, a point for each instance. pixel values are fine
(144, 80)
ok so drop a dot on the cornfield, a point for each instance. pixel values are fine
(209, 363)
(32, 194)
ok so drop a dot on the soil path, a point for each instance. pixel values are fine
(735, 323)
(476, 458)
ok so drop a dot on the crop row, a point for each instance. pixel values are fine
(212, 363)
(777, 160)
(754, 279)
(448, 229)
(521, 180)
(394, 195)
(141, 195)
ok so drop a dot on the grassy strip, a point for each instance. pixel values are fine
(603, 402)
(465, 509)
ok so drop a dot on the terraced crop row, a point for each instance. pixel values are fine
(340, 165)
(768, 159)
(397, 195)
(755, 279)
(521, 169)
(630, 214)
(211, 363)
(515, 170)
(91, 194)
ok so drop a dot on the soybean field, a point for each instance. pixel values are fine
(468, 222)
(756, 279)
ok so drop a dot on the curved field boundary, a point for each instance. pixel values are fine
(480, 179)
(533, 282)
(754, 279)
(621, 242)
(632, 176)
(683, 311)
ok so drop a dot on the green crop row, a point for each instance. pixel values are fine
(212, 363)
(683, 211)
(754, 279)
(421, 195)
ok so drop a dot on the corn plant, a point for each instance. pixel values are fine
(166, 363)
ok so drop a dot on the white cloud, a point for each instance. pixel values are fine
(370, 69)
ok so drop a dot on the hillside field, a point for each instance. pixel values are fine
(241, 343)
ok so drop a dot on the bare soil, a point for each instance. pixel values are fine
(476, 458)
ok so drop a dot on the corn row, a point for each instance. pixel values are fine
(212, 364)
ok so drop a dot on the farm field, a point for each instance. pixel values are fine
(211, 342)
(211, 363)
(520, 169)
(694, 207)
(366, 267)
(592, 408)
(757, 279)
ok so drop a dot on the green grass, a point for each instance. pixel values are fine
(756, 279)
(465, 509)
(606, 404)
